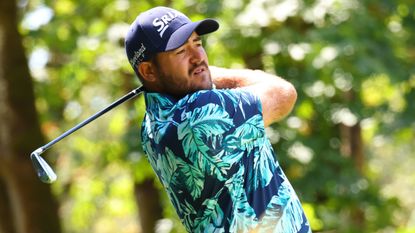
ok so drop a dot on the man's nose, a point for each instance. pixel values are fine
(196, 55)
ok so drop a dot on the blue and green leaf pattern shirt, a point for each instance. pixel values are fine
(210, 152)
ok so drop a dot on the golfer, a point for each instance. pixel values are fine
(203, 130)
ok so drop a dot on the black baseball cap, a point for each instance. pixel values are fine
(161, 29)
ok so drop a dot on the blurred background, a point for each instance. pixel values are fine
(347, 147)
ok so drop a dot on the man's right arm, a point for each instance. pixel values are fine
(277, 95)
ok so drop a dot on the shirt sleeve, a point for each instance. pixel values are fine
(239, 104)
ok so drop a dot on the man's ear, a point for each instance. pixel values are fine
(146, 71)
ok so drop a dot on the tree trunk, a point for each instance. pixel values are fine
(27, 202)
(356, 146)
(352, 147)
(6, 220)
(149, 206)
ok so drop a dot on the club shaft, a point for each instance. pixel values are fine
(121, 100)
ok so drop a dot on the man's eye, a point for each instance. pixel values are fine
(180, 51)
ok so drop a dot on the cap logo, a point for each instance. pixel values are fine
(138, 55)
(163, 22)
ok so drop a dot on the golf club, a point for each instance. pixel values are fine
(43, 170)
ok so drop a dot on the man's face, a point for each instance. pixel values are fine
(185, 69)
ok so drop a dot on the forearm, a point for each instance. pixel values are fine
(233, 78)
(277, 95)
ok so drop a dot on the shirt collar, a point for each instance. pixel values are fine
(160, 104)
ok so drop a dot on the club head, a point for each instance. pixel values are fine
(43, 170)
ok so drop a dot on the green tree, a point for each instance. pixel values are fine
(26, 205)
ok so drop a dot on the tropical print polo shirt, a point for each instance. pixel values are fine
(211, 154)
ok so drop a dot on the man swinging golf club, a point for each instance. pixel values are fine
(203, 131)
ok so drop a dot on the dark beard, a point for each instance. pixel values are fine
(177, 90)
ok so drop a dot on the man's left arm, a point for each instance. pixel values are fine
(277, 95)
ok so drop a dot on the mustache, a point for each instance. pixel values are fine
(194, 67)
